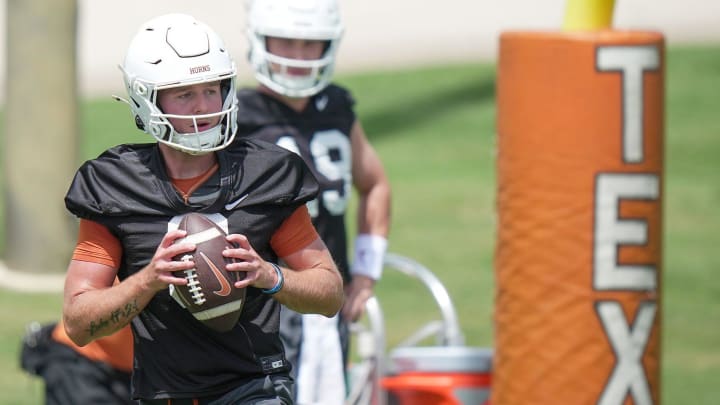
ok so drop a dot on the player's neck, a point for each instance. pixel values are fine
(181, 165)
(297, 104)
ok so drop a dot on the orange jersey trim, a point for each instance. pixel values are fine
(97, 245)
(296, 232)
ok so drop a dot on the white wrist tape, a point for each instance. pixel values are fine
(369, 255)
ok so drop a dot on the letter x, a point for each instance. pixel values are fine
(629, 344)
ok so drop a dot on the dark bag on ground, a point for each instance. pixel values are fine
(71, 378)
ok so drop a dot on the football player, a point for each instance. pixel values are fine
(292, 50)
(180, 81)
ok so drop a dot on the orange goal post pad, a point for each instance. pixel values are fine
(580, 127)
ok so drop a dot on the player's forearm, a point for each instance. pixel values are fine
(315, 290)
(373, 228)
(95, 313)
(373, 215)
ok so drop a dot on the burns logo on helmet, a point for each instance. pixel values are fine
(199, 69)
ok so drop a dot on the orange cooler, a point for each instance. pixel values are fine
(439, 375)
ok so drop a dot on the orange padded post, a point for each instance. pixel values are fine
(578, 257)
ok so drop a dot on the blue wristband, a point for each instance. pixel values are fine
(280, 282)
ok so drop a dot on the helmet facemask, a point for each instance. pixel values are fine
(196, 142)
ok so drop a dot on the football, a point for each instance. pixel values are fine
(209, 294)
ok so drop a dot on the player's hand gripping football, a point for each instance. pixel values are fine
(258, 272)
(158, 274)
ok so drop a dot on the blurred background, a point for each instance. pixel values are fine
(424, 76)
(379, 34)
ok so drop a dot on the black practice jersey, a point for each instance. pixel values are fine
(321, 135)
(257, 186)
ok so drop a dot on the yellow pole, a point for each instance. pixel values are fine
(588, 15)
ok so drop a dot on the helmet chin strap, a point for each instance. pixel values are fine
(294, 84)
(197, 143)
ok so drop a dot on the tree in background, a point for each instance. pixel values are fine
(41, 127)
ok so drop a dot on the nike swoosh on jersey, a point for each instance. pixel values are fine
(225, 288)
(230, 206)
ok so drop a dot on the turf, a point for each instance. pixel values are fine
(434, 129)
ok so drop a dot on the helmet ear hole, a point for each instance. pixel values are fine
(140, 89)
(139, 123)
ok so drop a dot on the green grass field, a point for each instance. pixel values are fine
(435, 130)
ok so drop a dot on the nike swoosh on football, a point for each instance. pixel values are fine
(230, 206)
(225, 288)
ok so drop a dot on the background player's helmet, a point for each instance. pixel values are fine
(299, 19)
(176, 50)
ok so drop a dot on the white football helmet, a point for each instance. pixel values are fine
(297, 19)
(175, 50)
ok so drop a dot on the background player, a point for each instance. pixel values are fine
(292, 51)
(181, 84)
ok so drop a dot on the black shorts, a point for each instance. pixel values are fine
(273, 389)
